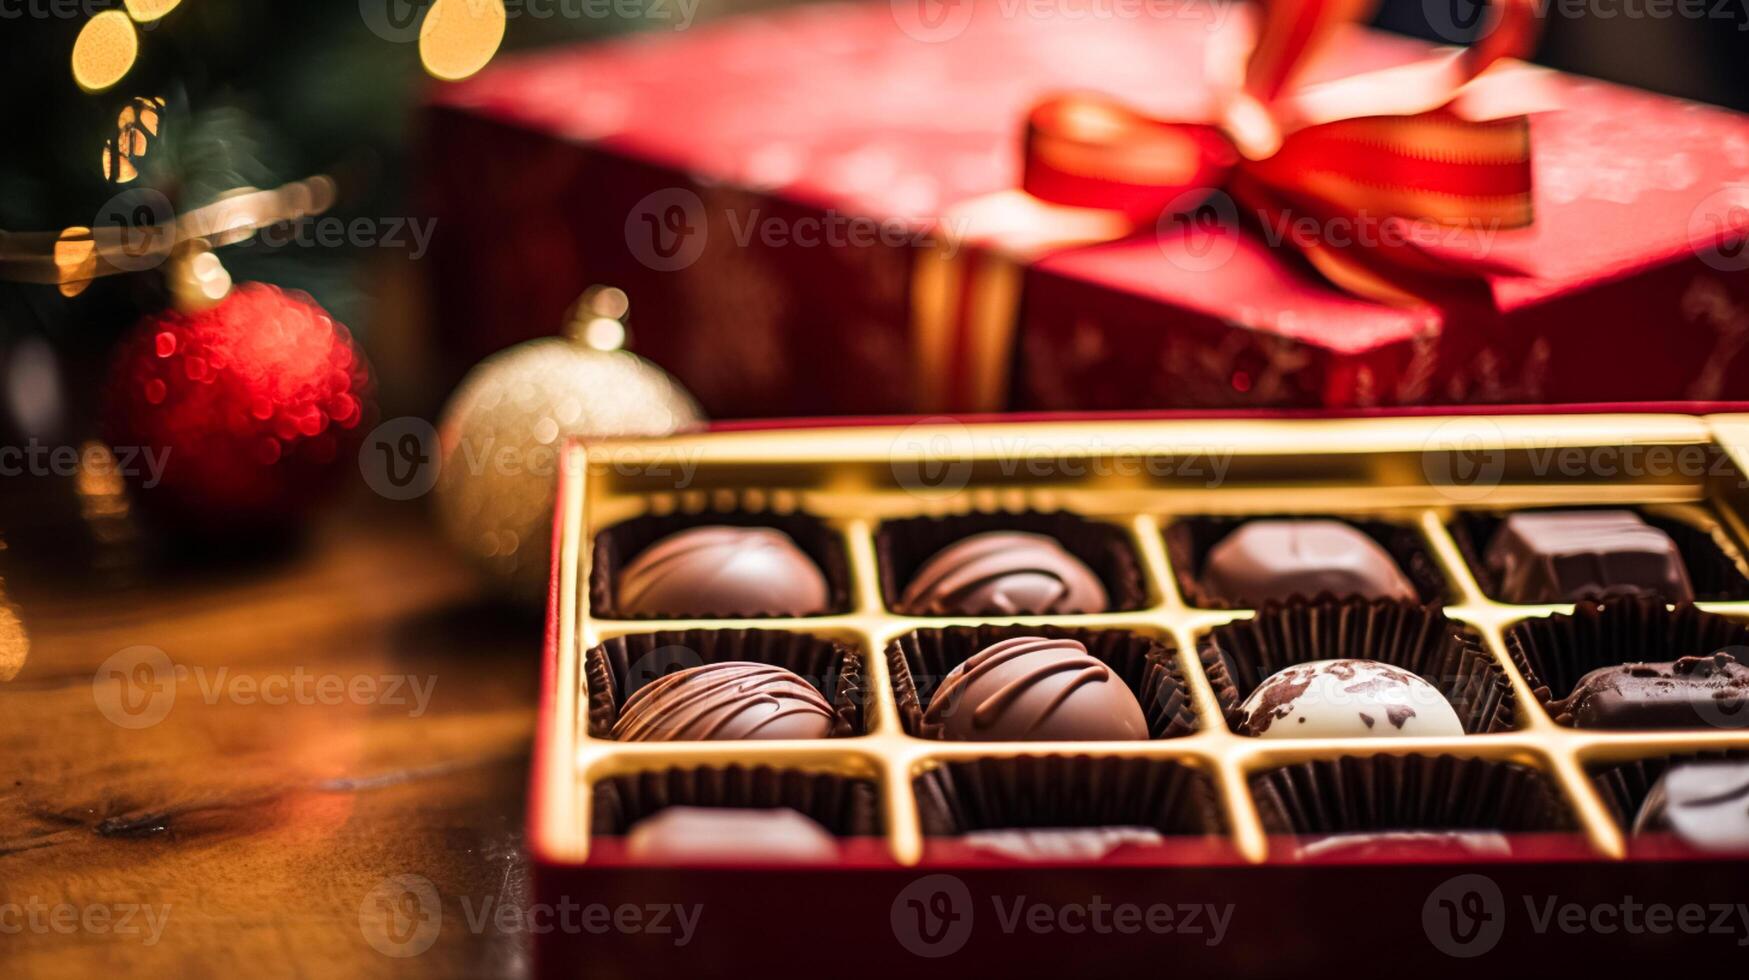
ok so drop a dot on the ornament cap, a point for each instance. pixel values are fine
(597, 319)
(197, 279)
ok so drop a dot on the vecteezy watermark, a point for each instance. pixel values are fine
(1199, 230)
(64, 10)
(401, 21)
(1466, 916)
(1465, 459)
(1468, 21)
(403, 916)
(668, 230)
(134, 230)
(934, 916)
(1718, 228)
(936, 21)
(137, 687)
(129, 919)
(143, 464)
(402, 458)
(412, 235)
(933, 458)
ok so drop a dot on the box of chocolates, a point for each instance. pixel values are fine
(1272, 697)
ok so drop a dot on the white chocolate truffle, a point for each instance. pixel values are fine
(1347, 699)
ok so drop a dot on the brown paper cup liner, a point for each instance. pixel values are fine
(1624, 787)
(1710, 570)
(1239, 656)
(1553, 652)
(1189, 541)
(846, 807)
(920, 660)
(1413, 792)
(903, 546)
(1066, 791)
(619, 544)
(618, 668)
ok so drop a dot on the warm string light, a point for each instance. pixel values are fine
(75, 259)
(71, 257)
(136, 127)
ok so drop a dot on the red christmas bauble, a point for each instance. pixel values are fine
(243, 414)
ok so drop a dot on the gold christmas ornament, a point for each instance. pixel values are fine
(504, 428)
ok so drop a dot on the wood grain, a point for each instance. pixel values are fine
(290, 768)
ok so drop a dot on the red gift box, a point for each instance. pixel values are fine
(765, 188)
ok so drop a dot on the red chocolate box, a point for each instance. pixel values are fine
(767, 188)
(1480, 854)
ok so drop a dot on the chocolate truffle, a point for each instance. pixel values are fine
(1003, 573)
(1030, 688)
(1386, 843)
(1704, 804)
(1347, 699)
(1567, 555)
(1691, 692)
(1060, 843)
(734, 699)
(707, 835)
(722, 571)
(1278, 559)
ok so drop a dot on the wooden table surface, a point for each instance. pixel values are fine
(319, 725)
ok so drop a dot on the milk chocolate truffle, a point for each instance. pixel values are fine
(709, 835)
(1347, 699)
(1691, 692)
(1003, 573)
(722, 571)
(1030, 688)
(1278, 559)
(730, 700)
(1704, 804)
(1564, 556)
(1060, 843)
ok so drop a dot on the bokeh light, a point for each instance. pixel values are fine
(105, 51)
(75, 259)
(147, 11)
(459, 37)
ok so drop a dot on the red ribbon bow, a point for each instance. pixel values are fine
(1433, 141)
(1411, 143)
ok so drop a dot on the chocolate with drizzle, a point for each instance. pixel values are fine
(1003, 573)
(1031, 688)
(729, 700)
